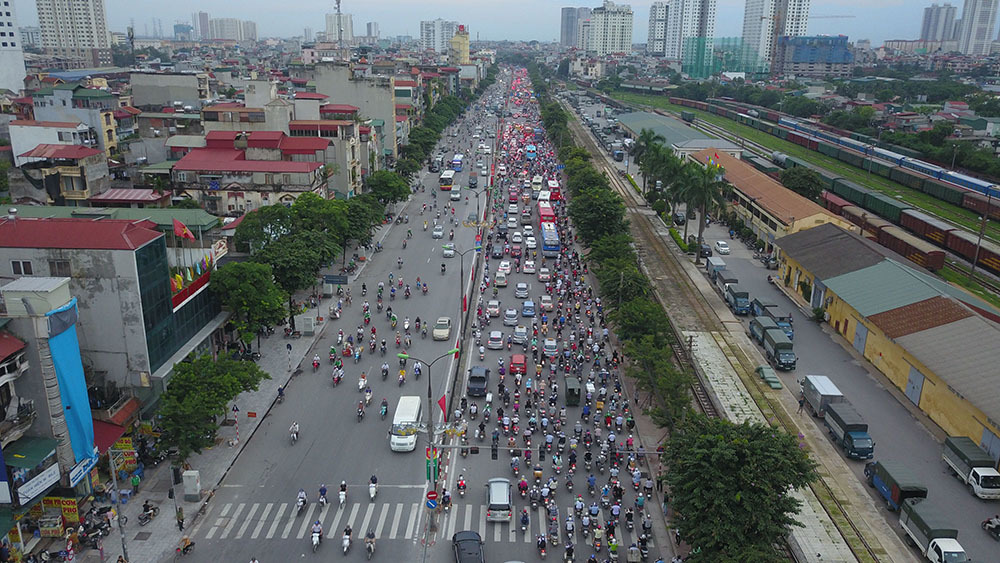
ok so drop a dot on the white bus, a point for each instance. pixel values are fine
(536, 186)
(405, 424)
(544, 195)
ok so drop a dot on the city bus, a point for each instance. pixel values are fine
(456, 162)
(536, 186)
(530, 152)
(554, 192)
(544, 195)
(545, 214)
(447, 180)
(550, 240)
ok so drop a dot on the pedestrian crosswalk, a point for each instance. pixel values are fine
(389, 521)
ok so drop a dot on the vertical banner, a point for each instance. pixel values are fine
(65, 349)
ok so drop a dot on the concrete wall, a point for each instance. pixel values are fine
(162, 90)
(375, 97)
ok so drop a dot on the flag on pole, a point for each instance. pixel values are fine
(181, 230)
(444, 407)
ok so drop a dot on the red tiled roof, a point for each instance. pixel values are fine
(137, 195)
(299, 81)
(121, 114)
(232, 160)
(300, 123)
(24, 100)
(338, 108)
(46, 150)
(232, 226)
(51, 79)
(406, 82)
(364, 129)
(448, 69)
(32, 123)
(402, 106)
(303, 145)
(224, 105)
(132, 110)
(264, 139)
(401, 118)
(9, 345)
(310, 96)
(68, 233)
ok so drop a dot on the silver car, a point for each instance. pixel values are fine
(520, 334)
(438, 232)
(510, 317)
(495, 341)
(521, 290)
(549, 347)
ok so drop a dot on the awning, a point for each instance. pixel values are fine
(106, 434)
(29, 451)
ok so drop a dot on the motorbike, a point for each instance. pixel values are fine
(346, 543)
(336, 379)
(342, 497)
(361, 414)
(993, 532)
(362, 383)
(461, 486)
(384, 411)
(315, 541)
(372, 491)
(370, 548)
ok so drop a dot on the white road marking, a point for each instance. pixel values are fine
(395, 520)
(277, 520)
(249, 519)
(381, 520)
(260, 523)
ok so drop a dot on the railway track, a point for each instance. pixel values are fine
(987, 282)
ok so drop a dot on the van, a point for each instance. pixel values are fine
(498, 507)
(404, 429)
(456, 193)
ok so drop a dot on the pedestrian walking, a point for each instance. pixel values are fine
(135, 483)
(802, 402)
(666, 506)
(677, 536)
(180, 518)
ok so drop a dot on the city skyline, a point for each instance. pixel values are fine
(903, 16)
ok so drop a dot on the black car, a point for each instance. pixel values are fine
(497, 251)
(479, 380)
(468, 547)
(473, 181)
(679, 218)
(705, 251)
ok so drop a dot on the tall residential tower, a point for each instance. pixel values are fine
(939, 23)
(979, 18)
(766, 20)
(672, 22)
(75, 29)
(610, 29)
(11, 51)
(436, 34)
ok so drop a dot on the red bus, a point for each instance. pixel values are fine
(545, 213)
(554, 193)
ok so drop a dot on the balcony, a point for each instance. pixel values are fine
(120, 411)
(79, 195)
(18, 421)
(13, 368)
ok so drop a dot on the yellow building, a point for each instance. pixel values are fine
(933, 341)
(458, 47)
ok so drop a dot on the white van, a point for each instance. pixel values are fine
(403, 434)
(456, 193)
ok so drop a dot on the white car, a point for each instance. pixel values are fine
(722, 247)
(504, 267)
(529, 267)
(484, 172)
(544, 275)
(510, 317)
(520, 334)
(502, 169)
(546, 303)
(493, 308)
(448, 250)
(495, 341)
(512, 222)
(442, 329)
(516, 238)
(512, 208)
(438, 232)
(530, 243)
(549, 347)
(529, 231)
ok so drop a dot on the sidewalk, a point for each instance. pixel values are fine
(282, 359)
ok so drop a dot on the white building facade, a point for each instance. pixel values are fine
(671, 22)
(610, 29)
(766, 20)
(337, 24)
(436, 34)
(979, 18)
(11, 50)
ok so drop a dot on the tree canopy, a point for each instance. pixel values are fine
(248, 290)
(804, 181)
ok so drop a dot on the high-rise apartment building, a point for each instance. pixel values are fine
(458, 47)
(979, 19)
(818, 56)
(31, 36)
(11, 50)
(569, 27)
(204, 30)
(672, 22)
(939, 23)
(76, 29)
(610, 29)
(766, 20)
(435, 34)
(372, 29)
(249, 30)
(307, 35)
(340, 27)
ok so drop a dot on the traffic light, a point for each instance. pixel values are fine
(494, 453)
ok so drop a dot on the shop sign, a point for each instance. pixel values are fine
(36, 486)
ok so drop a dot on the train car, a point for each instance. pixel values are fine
(964, 244)
(982, 204)
(772, 116)
(850, 157)
(790, 123)
(779, 158)
(833, 202)
(892, 157)
(850, 191)
(876, 224)
(852, 144)
(762, 164)
(925, 226)
(982, 186)
(829, 149)
(829, 178)
(906, 177)
(942, 191)
(782, 132)
(855, 215)
(920, 166)
(878, 167)
(885, 206)
(703, 106)
(918, 251)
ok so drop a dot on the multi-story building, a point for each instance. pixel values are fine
(157, 90)
(226, 28)
(11, 50)
(766, 20)
(434, 34)
(249, 30)
(340, 27)
(458, 47)
(65, 174)
(204, 29)
(28, 134)
(76, 103)
(272, 116)
(979, 19)
(818, 56)
(610, 29)
(569, 27)
(31, 36)
(374, 95)
(673, 22)
(307, 35)
(939, 23)
(76, 29)
(372, 29)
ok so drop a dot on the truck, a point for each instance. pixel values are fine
(783, 320)
(819, 392)
(935, 537)
(849, 430)
(723, 279)
(714, 264)
(738, 299)
(972, 466)
(894, 482)
(778, 349)
(759, 305)
(758, 325)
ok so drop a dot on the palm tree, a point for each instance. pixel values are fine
(706, 191)
(647, 138)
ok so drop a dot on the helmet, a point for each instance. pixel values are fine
(317, 522)
(343, 482)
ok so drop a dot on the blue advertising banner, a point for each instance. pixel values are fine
(65, 348)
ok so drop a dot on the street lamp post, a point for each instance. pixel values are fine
(431, 477)
(114, 482)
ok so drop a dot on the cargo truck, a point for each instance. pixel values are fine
(819, 392)
(714, 264)
(849, 430)
(723, 279)
(778, 349)
(935, 537)
(738, 299)
(783, 320)
(894, 482)
(972, 466)
(759, 305)
(758, 325)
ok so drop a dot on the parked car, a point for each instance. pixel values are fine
(722, 247)
(705, 251)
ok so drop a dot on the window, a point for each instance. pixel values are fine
(21, 267)
(59, 268)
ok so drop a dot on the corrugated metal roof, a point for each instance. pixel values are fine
(964, 355)
(671, 129)
(919, 316)
(827, 251)
(882, 287)
(34, 283)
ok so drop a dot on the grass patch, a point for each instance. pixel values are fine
(631, 180)
(962, 280)
(957, 215)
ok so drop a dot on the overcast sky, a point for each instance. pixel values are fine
(498, 19)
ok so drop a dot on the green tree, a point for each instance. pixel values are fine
(388, 187)
(647, 139)
(655, 371)
(563, 71)
(247, 289)
(587, 178)
(804, 181)
(730, 486)
(198, 393)
(621, 281)
(262, 226)
(610, 247)
(295, 264)
(642, 317)
(407, 167)
(800, 106)
(706, 191)
(597, 212)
